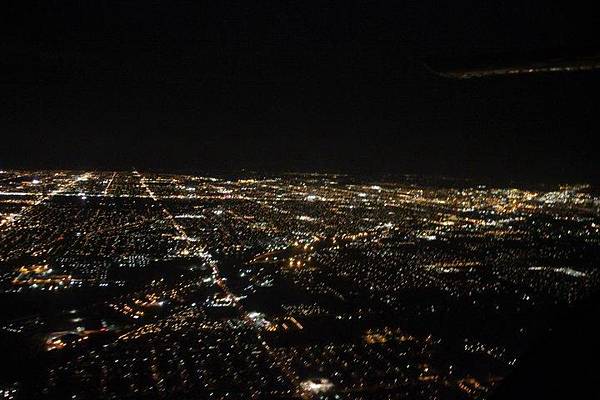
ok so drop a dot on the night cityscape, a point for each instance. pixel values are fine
(133, 285)
(288, 200)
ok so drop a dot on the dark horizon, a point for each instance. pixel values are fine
(339, 88)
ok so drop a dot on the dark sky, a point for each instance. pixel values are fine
(220, 86)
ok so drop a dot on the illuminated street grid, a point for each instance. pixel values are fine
(131, 285)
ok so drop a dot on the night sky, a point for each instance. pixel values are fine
(221, 86)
